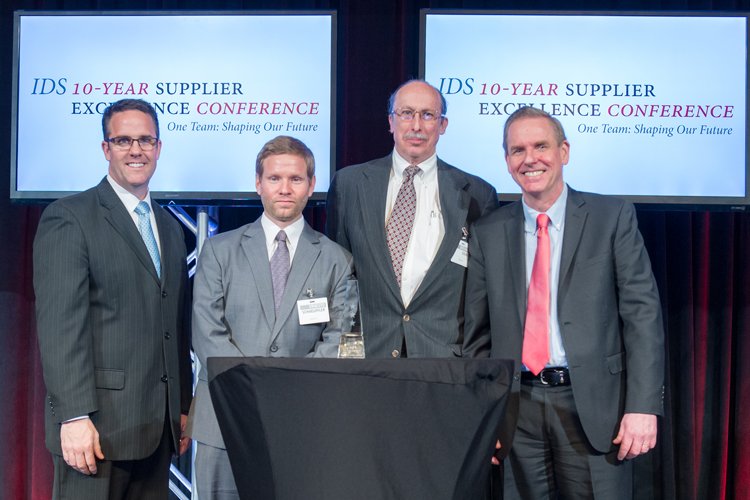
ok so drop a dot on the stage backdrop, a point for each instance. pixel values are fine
(700, 258)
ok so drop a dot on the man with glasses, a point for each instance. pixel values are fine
(110, 277)
(405, 219)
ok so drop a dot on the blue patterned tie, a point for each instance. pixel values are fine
(279, 269)
(147, 233)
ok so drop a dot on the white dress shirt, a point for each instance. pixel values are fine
(428, 229)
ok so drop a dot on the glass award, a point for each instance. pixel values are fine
(351, 343)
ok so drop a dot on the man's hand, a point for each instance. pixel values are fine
(184, 440)
(637, 435)
(79, 440)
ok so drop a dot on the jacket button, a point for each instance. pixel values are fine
(274, 348)
(164, 378)
(395, 353)
(516, 376)
(406, 317)
(164, 293)
(167, 335)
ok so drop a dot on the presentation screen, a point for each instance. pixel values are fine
(654, 105)
(223, 84)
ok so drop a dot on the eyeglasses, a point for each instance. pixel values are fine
(147, 143)
(407, 115)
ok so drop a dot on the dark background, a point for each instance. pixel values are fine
(699, 256)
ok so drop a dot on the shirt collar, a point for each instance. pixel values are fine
(428, 167)
(126, 197)
(556, 212)
(293, 231)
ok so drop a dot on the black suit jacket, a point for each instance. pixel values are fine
(111, 333)
(432, 324)
(608, 310)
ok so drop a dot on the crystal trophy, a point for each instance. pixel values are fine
(351, 343)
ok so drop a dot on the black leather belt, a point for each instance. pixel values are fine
(550, 377)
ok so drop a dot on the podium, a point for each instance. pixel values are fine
(359, 429)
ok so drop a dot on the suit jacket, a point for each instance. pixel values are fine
(432, 324)
(608, 310)
(110, 331)
(233, 308)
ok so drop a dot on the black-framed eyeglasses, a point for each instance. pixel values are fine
(147, 143)
(407, 115)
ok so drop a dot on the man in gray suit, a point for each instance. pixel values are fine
(109, 277)
(405, 218)
(584, 400)
(244, 304)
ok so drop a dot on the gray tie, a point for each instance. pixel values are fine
(147, 233)
(279, 268)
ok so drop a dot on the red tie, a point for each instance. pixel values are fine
(536, 332)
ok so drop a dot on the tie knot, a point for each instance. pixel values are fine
(281, 236)
(142, 208)
(410, 172)
(542, 221)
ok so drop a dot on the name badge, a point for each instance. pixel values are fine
(461, 255)
(311, 311)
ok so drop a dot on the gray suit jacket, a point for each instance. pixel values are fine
(110, 331)
(233, 309)
(432, 325)
(608, 309)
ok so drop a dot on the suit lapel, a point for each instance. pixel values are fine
(515, 239)
(169, 250)
(254, 247)
(122, 222)
(575, 219)
(372, 193)
(454, 205)
(305, 256)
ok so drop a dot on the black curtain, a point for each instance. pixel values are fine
(700, 257)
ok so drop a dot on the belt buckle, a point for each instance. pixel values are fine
(542, 378)
(557, 380)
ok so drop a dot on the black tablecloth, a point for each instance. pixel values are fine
(359, 429)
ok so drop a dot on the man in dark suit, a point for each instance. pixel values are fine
(246, 303)
(405, 218)
(588, 389)
(109, 277)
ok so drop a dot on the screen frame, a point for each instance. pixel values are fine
(732, 203)
(186, 198)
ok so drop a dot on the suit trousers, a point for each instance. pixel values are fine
(551, 458)
(213, 474)
(144, 479)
